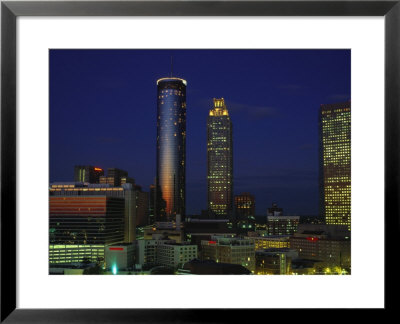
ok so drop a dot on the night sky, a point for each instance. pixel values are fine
(103, 107)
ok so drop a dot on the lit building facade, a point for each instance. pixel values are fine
(127, 191)
(78, 224)
(171, 147)
(229, 250)
(174, 255)
(116, 177)
(219, 161)
(120, 256)
(282, 225)
(75, 253)
(267, 242)
(328, 244)
(335, 163)
(275, 261)
(146, 251)
(161, 230)
(87, 173)
(245, 209)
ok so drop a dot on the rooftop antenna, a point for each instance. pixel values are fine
(171, 66)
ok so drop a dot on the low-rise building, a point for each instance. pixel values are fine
(121, 256)
(275, 261)
(282, 225)
(146, 251)
(197, 230)
(329, 244)
(230, 250)
(175, 254)
(306, 267)
(172, 230)
(266, 242)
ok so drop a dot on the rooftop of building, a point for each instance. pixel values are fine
(205, 220)
(275, 250)
(335, 232)
(180, 244)
(231, 241)
(313, 232)
(219, 108)
(339, 105)
(166, 79)
(120, 244)
(275, 237)
(209, 234)
(211, 267)
(282, 217)
(87, 185)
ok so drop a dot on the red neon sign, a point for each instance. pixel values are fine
(313, 239)
(212, 242)
(116, 249)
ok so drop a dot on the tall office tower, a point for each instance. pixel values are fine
(87, 173)
(142, 206)
(219, 161)
(245, 209)
(171, 148)
(335, 163)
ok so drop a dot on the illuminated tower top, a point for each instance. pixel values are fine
(171, 79)
(219, 108)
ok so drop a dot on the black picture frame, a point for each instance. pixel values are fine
(10, 10)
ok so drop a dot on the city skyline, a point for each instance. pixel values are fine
(287, 170)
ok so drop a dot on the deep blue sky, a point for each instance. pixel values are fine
(103, 106)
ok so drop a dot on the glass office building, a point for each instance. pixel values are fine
(86, 220)
(80, 227)
(219, 161)
(171, 148)
(335, 163)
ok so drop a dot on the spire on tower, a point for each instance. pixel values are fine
(171, 66)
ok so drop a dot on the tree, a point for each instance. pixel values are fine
(96, 270)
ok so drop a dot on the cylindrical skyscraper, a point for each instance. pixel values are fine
(171, 148)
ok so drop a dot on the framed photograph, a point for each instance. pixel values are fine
(242, 148)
